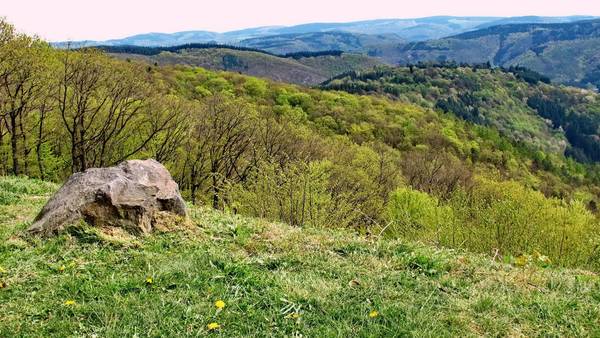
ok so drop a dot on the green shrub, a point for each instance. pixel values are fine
(296, 194)
(255, 87)
(415, 215)
(506, 218)
(500, 219)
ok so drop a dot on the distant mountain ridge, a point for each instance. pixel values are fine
(418, 29)
(561, 48)
(320, 41)
(565, 52)
(536, 20)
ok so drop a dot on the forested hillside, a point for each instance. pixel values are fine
(561, 48)
(308, 68)
(565, 52)
(518, 102)
(307, 157)
(320, 41)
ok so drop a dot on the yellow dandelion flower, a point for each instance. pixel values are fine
(293, 315)
(213, 326)
(61, 268)
(220, 304)
(70, 302)
(373, 314)
(522, 260)
(149, 280)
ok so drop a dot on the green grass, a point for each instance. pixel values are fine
(275, 280)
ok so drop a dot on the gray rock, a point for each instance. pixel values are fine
(127, 196)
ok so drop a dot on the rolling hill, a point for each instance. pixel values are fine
(516, 102)
(319, 41)
(534, 19)
(562, 48)
(407, 29)
(299, 69)
(565, 52)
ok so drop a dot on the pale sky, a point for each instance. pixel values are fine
(57, 20)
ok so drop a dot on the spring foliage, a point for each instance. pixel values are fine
(302, 156)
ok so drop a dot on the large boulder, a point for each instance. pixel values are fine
(129, 196)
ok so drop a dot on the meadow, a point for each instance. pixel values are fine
(233, 276)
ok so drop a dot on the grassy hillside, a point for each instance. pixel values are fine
(564, 52)
(300, 70)
(274, 280)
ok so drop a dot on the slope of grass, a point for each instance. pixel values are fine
(275, 280)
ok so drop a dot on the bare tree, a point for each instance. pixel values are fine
(77, 101)
(176, 112)
(435, 172)
(21, 63)
(108, 109)
(221, 139)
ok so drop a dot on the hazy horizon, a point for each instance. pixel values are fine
(63, 20)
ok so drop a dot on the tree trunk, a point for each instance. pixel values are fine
(193, 184)
(25, 148)
(82, 145)
(74, 157)
(38, 146)
(13, 145)
(3, 154)
(215, 189)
